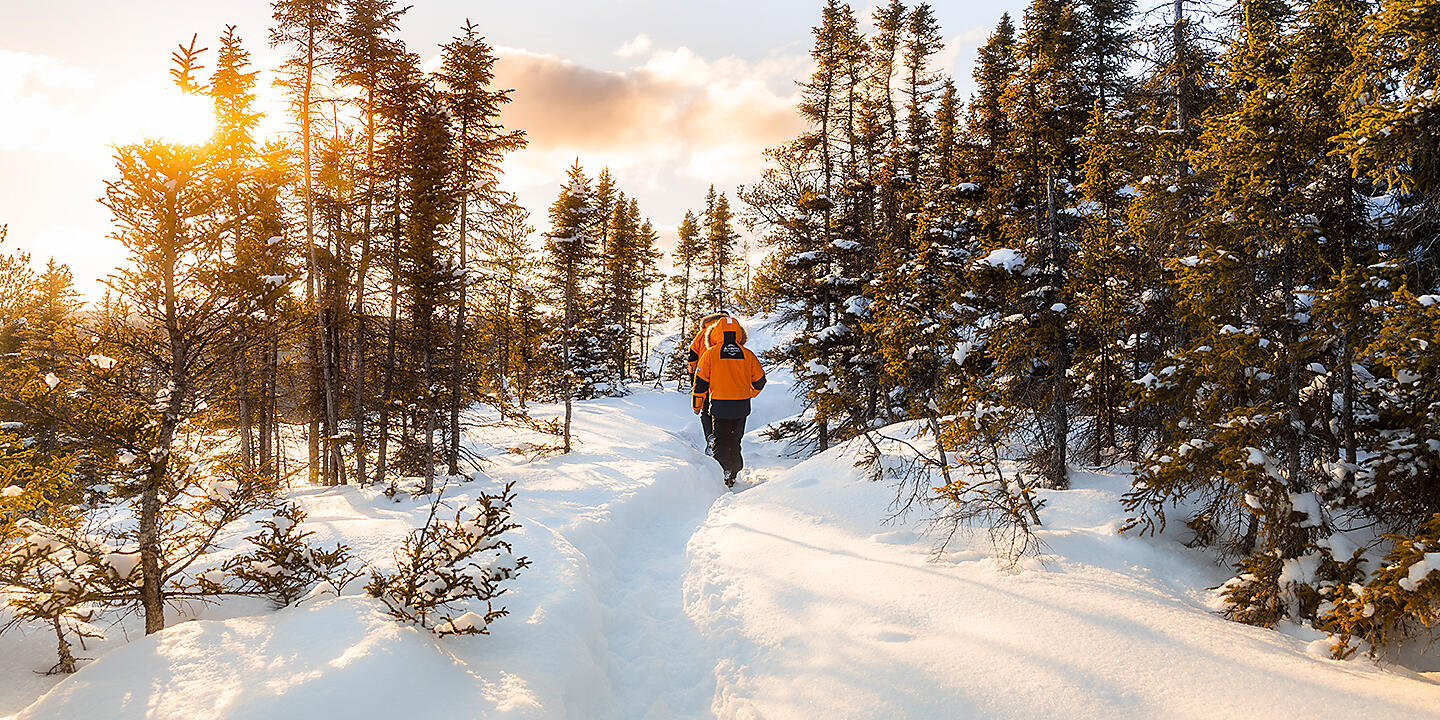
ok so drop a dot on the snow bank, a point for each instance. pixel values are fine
(336, 658)
(819, 608)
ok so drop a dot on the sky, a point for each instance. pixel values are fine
(671, 95)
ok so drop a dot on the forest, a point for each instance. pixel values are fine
(1197, 239)
(1194, 242)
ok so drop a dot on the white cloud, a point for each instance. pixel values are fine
(638, 45)
(667, 127)
(958, 56)
(671, 109)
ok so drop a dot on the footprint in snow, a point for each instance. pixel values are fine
(748, 479)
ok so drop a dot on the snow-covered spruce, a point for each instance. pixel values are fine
(282, 565)
(448, 567)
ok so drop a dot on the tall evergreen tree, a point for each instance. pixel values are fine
(365, 47)
(233, 157)
(481, 143)
(567, 254)
(304, 28)
(686, 260)
(431, 277)
(720, 260)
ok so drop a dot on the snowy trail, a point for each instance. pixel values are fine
(659, 666)
(656, 489)
(597, 626)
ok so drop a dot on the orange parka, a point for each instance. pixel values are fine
(728, 372)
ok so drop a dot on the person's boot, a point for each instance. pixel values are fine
(730, 478)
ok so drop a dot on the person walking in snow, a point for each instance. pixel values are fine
(698, 346)
(727, 375)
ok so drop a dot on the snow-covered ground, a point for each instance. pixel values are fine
(655, 593)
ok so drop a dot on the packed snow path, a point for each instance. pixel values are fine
(656, 664)
(654, 593)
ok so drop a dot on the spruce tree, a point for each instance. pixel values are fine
(480, 146)
(1104, 295)
(364, 47)
(233, 157)
(567, 253)
(405, 92)
(162, 202)
(686, 260)
(304, 27)
(1242, 438)
(429, 273)
(1025, 275)
(719, 261)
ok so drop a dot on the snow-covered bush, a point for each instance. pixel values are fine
(1268, 588)
(61, 566)
(448, 567)
(46, 579)
(989, 488)
(960, 466)
(1401, 599)
(281, 564)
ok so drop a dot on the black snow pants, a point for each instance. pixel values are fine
(728, 432)
(707, 423)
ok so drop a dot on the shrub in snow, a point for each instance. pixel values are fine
(959, 464)
(991, 491)
(48, 575)
(281, 564)
(447, 567)
(181, 503)
(1401, 598)
(1269, 588)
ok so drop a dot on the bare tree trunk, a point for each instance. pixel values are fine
(683, 343)
(457, 370)
(429, 423)
(334, 333)
(565, 349)
(644, 328)
(362, 446)
(242, 398)
(263, 424)
(505, 331)
(1292, 374)
(389, 383)
(270, 418)
(1058, 474)
(152, 597)
(62, 648)
(1182, 100)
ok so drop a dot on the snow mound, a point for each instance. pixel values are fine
(818, 608)
(337, 658)
(1005, 258)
